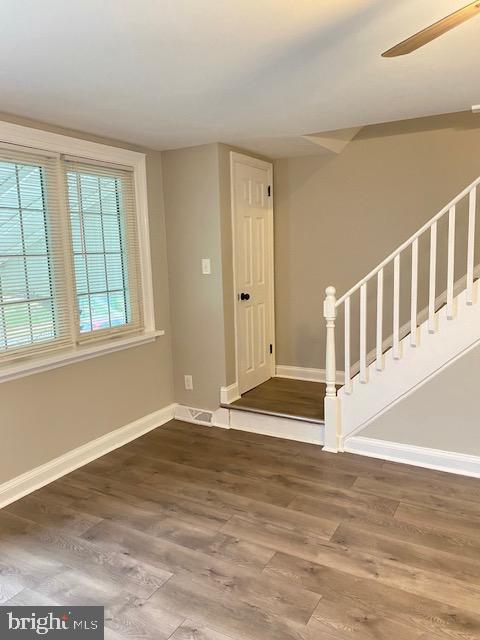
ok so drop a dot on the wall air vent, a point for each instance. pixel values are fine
(205, 417)
(198, 416)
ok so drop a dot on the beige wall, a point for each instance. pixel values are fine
(442, 414)
(192, 204)
(47, 414)
(336, 218)
(198, 214)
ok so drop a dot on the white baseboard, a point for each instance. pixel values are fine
(229, 394)
(277, 427)
(44, 474)
(448, 461)
(304, 373)
(205, 417)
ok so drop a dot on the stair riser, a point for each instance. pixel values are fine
(275, 426)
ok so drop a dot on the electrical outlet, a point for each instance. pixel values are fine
(206, 267)
(188, 383)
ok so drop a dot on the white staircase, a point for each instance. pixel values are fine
(434, 337)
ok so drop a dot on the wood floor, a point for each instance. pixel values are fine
(285, 397)
(196, 533)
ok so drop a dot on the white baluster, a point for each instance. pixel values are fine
(379, 356)
(363, 334)
(348, 385)
(397, 353)
(432, 323)
(414, 298)
(330, 313)
(332, 407)
(451, 262)
(472, 208)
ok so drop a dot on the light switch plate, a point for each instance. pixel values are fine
(188, 383)
(206, 267)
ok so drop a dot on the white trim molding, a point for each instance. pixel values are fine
(44, 474)
(305, 373)
(79, 353)
(68, 145)
(229, 394)
(448, 461)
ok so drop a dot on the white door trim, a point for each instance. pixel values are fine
(260, 164)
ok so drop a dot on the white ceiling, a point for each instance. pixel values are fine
(172, 73)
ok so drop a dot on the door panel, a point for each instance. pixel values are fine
(253, 223)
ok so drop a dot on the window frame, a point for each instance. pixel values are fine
(134, 295)
(54, 143)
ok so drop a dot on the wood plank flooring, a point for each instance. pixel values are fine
(285, 397)
(196, 533)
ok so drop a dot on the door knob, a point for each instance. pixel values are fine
(244, 296)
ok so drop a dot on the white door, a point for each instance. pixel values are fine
(253, 259)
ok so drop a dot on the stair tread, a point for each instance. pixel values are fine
(285, 398)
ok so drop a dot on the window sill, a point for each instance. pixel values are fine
(37, 365)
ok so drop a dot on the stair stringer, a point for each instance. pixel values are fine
(399, 378)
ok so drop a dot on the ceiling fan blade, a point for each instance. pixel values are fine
(434, 31)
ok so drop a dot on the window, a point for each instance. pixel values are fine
(32, 313)
(70, 268)
(26, 297)
(102, 220)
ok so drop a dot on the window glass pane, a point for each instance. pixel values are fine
(109, 196)
(42, 320)
(27, 313)
(114, 271)
(117, 309)
(84, 313)
(30, 187)
(34, 232)
(13, 282)
(92, 230)
(97, 221)
(38, 275)
(8, 186)
(17, 318)
(97, 277)
(111, 231)
(90, 194)
(100, 312)
(10, 232)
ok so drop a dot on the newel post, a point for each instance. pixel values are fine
(332, 407)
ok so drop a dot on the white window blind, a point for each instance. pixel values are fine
(33, 298)
(105, 248)
(69, 253)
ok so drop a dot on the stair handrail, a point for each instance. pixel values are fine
(408, 242)
(333, 431)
